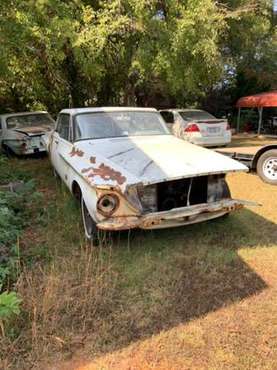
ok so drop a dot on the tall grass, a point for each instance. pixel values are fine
(65, 284)
(62, 302)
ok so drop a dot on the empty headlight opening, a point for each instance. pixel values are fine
(107, 204)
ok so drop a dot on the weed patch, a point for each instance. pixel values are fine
(16, 210)
(9, 174)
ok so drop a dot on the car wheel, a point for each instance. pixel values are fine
(267, 167)
(91, 231)
(8, 152)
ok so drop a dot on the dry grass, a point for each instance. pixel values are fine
(57, 300)
(251, 140)
(196, 297)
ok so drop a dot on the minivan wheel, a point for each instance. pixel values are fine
(91, 231)
(267, 167)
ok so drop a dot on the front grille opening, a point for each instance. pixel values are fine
(180, 193)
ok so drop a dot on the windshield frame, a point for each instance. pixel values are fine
(12, 127)
(74, 121)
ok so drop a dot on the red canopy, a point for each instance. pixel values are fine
(267, 99)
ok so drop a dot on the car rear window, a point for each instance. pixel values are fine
(196, 115)
(29, 120)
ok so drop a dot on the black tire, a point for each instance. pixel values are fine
(90, 228)
(8, 151)
(267, 166)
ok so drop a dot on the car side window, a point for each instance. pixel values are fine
(168, 117)
(63, 126)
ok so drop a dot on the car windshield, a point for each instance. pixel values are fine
(29, 120)
(117, 124)
(196, 115)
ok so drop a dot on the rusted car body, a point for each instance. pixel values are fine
(128, 171)
(21, 133)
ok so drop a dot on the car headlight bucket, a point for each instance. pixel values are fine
(107, 204)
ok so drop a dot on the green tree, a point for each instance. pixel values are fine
(73, 53)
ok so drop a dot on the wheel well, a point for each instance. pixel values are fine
(76, 191)
(260, 152)
(6, 149)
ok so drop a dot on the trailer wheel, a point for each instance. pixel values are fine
(267, 167)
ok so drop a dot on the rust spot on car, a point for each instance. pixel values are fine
(92, 160)
(152, 222)
(119, 223)
(106, 173)
(76, 152)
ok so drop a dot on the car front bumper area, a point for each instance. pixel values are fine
(175, 217)
(210, 140)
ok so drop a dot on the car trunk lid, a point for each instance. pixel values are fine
(211, 127)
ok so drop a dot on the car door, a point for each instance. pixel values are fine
(61, 145)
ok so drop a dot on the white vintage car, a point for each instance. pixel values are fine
(128, 171)
(21, 133)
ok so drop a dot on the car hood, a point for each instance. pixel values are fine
(145, 159)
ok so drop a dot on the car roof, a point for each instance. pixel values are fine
(6, 115)
(74, 111)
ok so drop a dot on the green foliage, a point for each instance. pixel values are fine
(7, 174)
(9, 305)
(16, 209)
(58, 53)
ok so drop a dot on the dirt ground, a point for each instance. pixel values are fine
(251, 140)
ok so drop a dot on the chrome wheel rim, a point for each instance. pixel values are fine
(270, 168)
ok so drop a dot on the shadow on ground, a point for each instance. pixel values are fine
(169, 277)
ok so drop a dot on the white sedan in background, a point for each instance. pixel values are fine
(197, 127)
